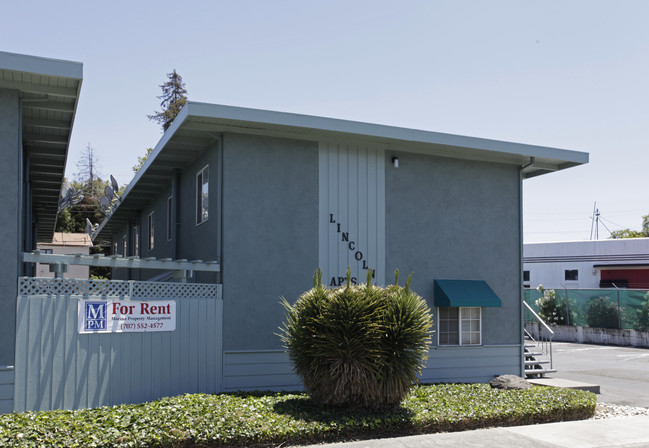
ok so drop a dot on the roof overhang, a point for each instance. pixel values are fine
(198, 125)
(49, 92)
(621, 267)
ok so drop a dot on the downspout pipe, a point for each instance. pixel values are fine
(219, 208)
(520, 272)
(175, 213)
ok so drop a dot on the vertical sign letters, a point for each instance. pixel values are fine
(352, 247)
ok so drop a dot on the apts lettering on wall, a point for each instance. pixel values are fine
(351, 245)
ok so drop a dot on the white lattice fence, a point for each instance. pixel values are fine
(29, 286)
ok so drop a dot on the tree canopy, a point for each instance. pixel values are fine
(628, 233)
(174, 97)
(141, 160)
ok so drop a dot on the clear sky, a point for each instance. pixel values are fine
(566, 74)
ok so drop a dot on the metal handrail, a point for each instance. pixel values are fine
(538, 318)
(544, 343)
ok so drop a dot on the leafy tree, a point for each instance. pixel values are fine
(174, 97)
(642, 323)
(141, 160)
(73, 218)
(602, 313)
(628, 233)
(554, 310)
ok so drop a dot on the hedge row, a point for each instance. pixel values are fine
(272, 418)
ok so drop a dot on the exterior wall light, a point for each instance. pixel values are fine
(395, 162)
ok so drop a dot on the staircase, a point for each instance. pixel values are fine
(537, 352)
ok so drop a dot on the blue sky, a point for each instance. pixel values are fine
(570, 75)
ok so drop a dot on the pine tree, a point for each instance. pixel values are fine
(88, 170)
(174, 97)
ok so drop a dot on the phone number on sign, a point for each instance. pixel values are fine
(141, 326)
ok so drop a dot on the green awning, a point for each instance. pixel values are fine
(456, 293)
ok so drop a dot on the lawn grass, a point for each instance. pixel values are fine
(268, 418)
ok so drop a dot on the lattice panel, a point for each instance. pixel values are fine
(118, 288)
(181, 290)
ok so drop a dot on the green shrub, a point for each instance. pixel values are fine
(642, 323)
(278, 419)
(602, 313)
(357, 345)
(556, 310)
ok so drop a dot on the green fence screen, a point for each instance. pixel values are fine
(602, 308)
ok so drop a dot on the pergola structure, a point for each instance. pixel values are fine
(182, 268)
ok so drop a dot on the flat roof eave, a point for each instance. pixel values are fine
(231, 118)
(41, 66)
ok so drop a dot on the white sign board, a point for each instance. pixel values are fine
(125, 316)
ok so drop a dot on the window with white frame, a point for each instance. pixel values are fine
(202, 203)
(460, 326)
(150, 227)
(169, 217)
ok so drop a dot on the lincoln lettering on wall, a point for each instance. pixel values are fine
(351, 245)
(351, 212)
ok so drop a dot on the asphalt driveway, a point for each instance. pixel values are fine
(621, 372)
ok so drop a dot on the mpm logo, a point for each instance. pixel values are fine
(95, 316)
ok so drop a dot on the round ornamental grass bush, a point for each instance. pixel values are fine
(357, 345)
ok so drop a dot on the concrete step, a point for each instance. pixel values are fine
(569, 384)
(529, 354)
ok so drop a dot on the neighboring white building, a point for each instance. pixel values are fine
(622, 263)
(66, 244)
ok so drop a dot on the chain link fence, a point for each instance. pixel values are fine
(626, 309)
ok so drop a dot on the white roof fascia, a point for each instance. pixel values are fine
(41, 66)
(264, 118)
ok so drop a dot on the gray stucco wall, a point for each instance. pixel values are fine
(196, 241)
(450, 218)
(10, 219)
(270, 230)
(199, 241)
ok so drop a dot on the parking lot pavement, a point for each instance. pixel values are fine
(621, 372)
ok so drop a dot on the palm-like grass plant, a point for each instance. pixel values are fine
(359, 345)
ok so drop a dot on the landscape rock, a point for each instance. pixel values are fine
(510, 382)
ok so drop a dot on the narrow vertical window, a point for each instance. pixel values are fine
(151, 231)
(202, 183)
(124, 245)
(448, 324)
(470, 318)
(169, 217)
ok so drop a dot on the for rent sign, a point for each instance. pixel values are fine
(121, 316)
